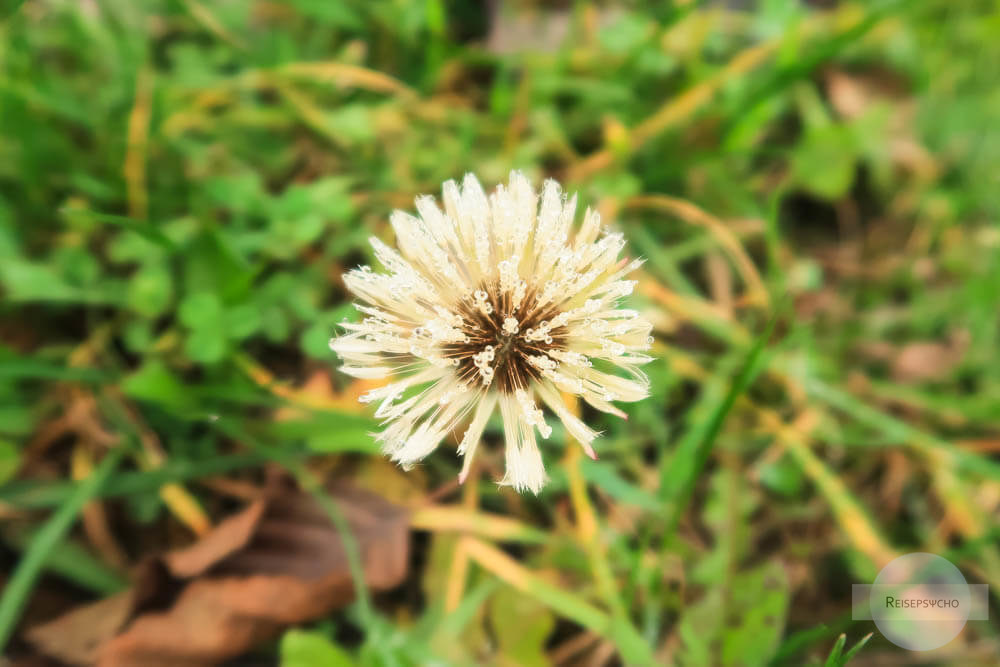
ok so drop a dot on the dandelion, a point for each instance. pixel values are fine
(493, 303)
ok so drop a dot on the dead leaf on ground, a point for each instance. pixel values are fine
(277, 562)
(928, 361)
(919, 361)
(853, 93)
(76, 636)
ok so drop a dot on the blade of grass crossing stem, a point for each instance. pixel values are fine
(16, 593)
(677, 495)
(314, 487)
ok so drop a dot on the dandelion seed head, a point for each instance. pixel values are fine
(493, 302)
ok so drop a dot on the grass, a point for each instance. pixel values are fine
(23, 578)
(182, 184)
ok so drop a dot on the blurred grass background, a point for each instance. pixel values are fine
(182, 183)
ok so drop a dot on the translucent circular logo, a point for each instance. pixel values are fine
(920, 601)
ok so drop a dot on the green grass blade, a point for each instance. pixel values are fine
(854, 650)
(37, 495)
(73, 562)
(677, 489)
(895, 429)
(15, 594)
(834, 659)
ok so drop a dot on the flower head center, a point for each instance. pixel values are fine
(501, 337)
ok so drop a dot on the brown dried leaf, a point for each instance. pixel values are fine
(851, 94)
(516, 31)
(228, 537)
(216, 619)
(927, 361)
(280, 561)
(76, 636)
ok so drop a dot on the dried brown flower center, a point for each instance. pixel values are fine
(502, 332)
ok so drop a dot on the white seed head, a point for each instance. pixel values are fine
(490, 304)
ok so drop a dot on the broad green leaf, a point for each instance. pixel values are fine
(275, 325)
(329, 432)
(138, 336)
(316, 341)
(206, 345)
(242, 321)
(150, 289)
(201, 310)
(154, 382)
(212, 265)
(824, 163)
(29, 281)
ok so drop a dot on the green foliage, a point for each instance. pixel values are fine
(43, 545)
(739, 621)
(521, 626)
(183, 183)
(305, 649)
(838, 658)
(9, 460)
